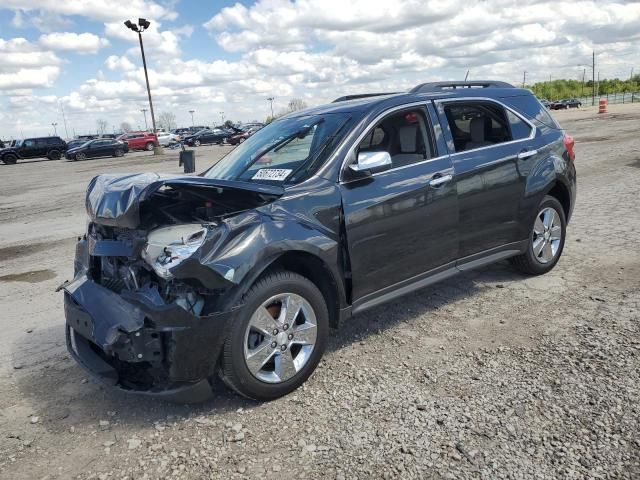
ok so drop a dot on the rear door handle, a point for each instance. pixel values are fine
(437, 181)
(526, 154)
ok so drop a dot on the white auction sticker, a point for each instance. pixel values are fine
(276, 174)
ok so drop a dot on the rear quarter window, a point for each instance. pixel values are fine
(532, 109)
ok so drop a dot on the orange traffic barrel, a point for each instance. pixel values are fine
(602, 106)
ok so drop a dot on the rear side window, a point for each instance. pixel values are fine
(519, 128)
(477, 124)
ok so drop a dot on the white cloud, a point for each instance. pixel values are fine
(82, 43)
(314, 49)
(102, 10)
(121, 64)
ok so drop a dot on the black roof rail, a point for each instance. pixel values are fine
(440, 86)
(362, 95)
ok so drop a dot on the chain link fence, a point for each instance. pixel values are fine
(624, 97)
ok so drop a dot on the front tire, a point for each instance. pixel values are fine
(546, 240)
(53, 155)
(119, 152)
(80, 156)
(278, 339)
(10, 159)
(196, 143)
(149, 146)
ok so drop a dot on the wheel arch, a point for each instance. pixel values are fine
(317, 271)
(560, 192)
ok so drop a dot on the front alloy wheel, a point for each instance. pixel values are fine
(277, 339)
(280, 338)
(81, 156)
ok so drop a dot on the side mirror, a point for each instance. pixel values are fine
(369, 163)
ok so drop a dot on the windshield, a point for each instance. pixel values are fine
(288, 150)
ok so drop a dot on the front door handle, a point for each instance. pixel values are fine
(437, 181)
(526, 154)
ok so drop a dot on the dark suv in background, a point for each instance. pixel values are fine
(52, 148)
(321, 215)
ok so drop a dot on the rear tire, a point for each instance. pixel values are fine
(251, 364)
(10, 159)
(546, 240)
(53, 155)
(118, 153)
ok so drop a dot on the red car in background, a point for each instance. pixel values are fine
(139, 140)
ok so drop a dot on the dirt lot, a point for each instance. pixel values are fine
(488, 375)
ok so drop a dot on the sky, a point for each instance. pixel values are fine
(74, 61)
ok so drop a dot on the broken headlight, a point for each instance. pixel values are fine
(168, 247)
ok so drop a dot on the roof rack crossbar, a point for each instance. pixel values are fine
(361, 95)
(440, 86)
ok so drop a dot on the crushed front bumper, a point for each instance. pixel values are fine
(136, 342)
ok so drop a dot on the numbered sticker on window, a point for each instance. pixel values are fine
(274, 174)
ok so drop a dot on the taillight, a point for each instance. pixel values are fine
(569, 143)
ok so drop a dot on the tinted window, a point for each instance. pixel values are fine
(29, 143)
(404, 135)
(519, 128)
(477, 124)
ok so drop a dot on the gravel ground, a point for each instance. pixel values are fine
(488, 375)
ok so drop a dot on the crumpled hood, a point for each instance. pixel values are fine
(115, 199)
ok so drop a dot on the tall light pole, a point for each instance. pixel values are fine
(143, 25)
(192, 112)
(146, 127)
(222, 117)
(64, 119)
(55, 130)
(271, 99)
(524, 78)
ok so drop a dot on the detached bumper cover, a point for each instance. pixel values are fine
(136, 342)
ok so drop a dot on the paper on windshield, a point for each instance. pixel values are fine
(275, 174)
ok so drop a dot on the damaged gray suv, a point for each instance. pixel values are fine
(240, 272)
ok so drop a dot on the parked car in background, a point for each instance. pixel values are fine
(207, 137)
(198, 128)
(181, 131)
(76, 143)
(165, 139)
(101, 147)
(52, 148)
(565, 104)
(328, 212)
(108, 135)
(139, 140)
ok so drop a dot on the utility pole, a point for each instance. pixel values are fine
(593, 79)
(466, 76)
(55, 130)
(222, 117)
(524, 78)
(144, 111)
(598, 89)
(584, 73)
(64, 119)
(192, 112)
(271, 99)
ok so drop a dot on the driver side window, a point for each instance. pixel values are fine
(404, 135)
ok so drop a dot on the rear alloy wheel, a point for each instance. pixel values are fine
(149, 146)
(546, 240)
(53, 155)
(10, 159)
(196, 143)
(118, 152)
(81, 156)
(279, 338)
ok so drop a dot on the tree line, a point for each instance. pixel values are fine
(557, 89)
